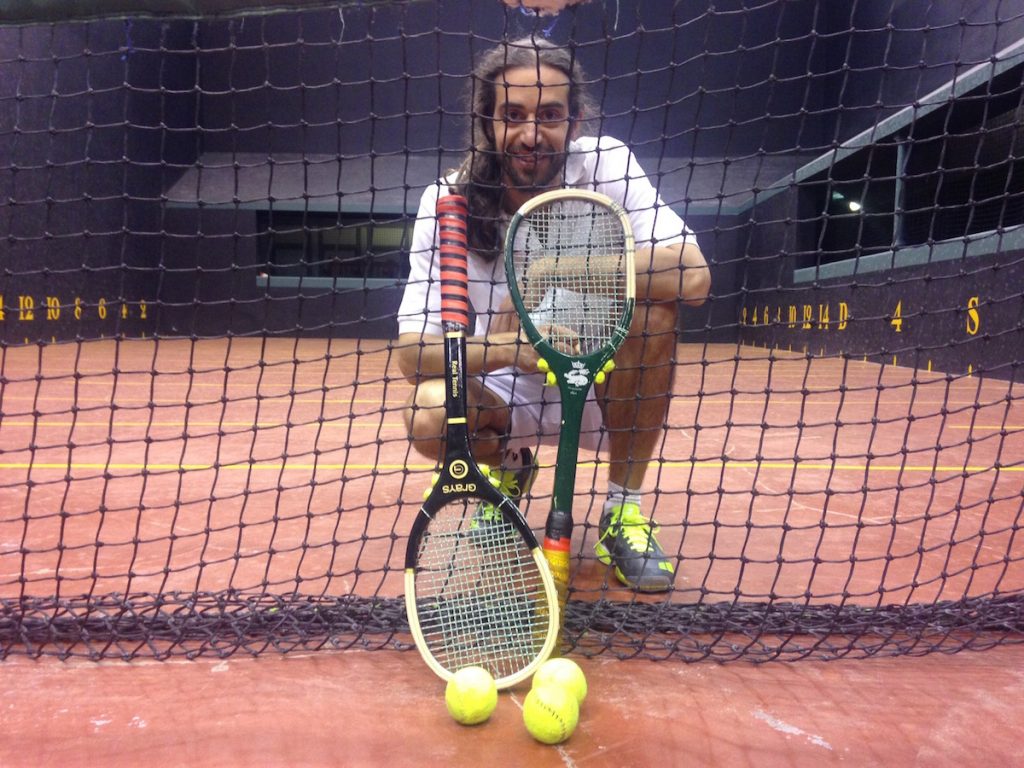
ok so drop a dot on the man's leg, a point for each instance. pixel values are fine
(635, 402)
(489, 419)
(636, 398)
(488, 416)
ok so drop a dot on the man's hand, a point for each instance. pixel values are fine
(562, 339)
(505, 320)
(506, 331)
(595, 274)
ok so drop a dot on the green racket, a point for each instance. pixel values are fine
(570, 262)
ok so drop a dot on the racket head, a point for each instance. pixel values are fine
(478, 593)
(570, 263)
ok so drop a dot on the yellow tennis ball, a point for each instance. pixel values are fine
(550, 714)
(562, 673)
(471, 695)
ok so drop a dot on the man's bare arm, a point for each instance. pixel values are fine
(422, 356)
(664, 273)
(672, 272)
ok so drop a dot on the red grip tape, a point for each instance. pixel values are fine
(452, 212)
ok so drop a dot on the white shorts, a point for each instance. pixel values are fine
(537, 410)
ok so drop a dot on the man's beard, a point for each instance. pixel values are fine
(546, 170)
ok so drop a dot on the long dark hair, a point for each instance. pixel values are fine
(479, 176)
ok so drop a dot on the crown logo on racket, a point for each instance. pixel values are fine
(578, 377)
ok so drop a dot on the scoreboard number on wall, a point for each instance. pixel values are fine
(27, 310)
(820, 317)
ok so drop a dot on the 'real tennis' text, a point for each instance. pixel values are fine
(453, 379)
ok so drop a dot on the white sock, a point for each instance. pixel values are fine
(618, 495)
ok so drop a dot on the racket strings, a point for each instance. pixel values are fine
(570, 267)
(480, 594)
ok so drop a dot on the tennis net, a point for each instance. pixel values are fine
(205, 211)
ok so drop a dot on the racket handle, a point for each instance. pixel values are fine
(558, 559)
(558, 562)
(452, 214)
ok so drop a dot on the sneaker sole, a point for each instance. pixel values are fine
(605, 558)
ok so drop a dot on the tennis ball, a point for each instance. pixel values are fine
(471, 695)
(550, 714)
(562, 673)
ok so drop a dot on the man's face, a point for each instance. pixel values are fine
(531, 126)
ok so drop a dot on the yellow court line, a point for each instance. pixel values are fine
(335, 423)
(990, 427)
(354, 421)
(264, 400)
(718, 465)
(245, 466)
(687, 400)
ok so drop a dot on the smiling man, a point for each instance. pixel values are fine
(529, 111)
(531, 126)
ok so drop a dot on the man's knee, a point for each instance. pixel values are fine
(656, 321)
(652, 335)
(424, 415)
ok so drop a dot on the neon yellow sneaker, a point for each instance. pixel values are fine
(627, 542)
(514, 479)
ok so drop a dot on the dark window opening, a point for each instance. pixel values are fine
(850, 208)
(311, 245)
(965, 166)
(956, 171)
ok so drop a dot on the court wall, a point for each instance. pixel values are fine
(140, 201)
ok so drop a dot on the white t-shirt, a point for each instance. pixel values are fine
(603, 164)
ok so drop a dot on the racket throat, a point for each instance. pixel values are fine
(457, 438)
(455, 375)
(566, 463)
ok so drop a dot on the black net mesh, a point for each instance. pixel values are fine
(205, 218)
